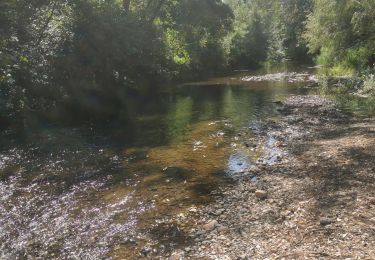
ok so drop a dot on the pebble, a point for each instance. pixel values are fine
(219, 212)
(146, 251)
(200, 233)
(178, 255)
(239, 216)
(326, 221)
(210, 225)
(254, 169)
(193, 210)
(222, 228)
(261, 194)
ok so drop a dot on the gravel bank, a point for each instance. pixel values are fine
(316, 202)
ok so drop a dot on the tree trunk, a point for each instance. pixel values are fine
(126, 5)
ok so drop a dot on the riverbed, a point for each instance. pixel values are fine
(109, 192)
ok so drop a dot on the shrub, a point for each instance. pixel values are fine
(369, 84)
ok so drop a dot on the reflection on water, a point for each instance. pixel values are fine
(95, 192)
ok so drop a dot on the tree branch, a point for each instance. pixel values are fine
(126, 5)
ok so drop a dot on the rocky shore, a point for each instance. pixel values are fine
(315, 201)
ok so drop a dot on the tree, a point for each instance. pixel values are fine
(342, 34)
(267, 31)
(286, 29)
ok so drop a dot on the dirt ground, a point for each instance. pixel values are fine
(316, 203)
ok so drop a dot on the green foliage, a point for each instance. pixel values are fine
(30, 36)
(369, 84)
(246, 46)
(86, 53)
(342, 34)
(176, 47)
(250, 49)
(198, 27)
(267, 30)
(287, 26)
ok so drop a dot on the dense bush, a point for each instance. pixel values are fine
(267, 31)
(342, 35)
(85, 54)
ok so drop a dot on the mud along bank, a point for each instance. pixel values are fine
(315, 201)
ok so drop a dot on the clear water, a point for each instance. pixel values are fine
(106, 192)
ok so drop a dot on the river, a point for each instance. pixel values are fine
(105, 192)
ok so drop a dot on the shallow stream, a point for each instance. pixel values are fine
(94, 193)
